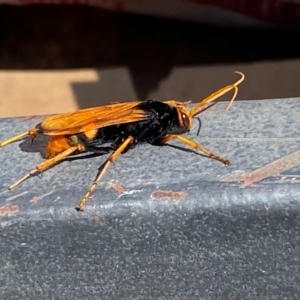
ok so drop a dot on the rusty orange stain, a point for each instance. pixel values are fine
(274, 168)
(161, 195)
(115, 186)
(36, 199)
(9, 210)
(16, 196)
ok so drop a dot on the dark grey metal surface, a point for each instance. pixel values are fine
(220, 241)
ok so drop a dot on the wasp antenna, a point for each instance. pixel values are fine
(212, 97)
(242, 79)
(235, 88)
(199, 127)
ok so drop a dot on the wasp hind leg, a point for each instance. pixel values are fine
(43, 166)
(194, 145)
(124, 145)
(32, 133)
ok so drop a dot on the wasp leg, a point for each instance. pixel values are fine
(32, 133)
(48, 163)
(102, 170)
(194, 145)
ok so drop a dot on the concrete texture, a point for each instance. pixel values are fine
(55, 59)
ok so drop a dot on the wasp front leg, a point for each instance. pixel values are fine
(194, 145)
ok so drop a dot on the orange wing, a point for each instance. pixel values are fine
(92, 118)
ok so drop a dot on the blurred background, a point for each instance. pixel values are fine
(57, 58)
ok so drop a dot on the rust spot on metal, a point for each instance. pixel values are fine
(116, 187)
(160, 195)
(36, 199)
(9, 210)
(274, 168)
(16, 196)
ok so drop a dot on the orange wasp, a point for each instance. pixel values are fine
(122, 126)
